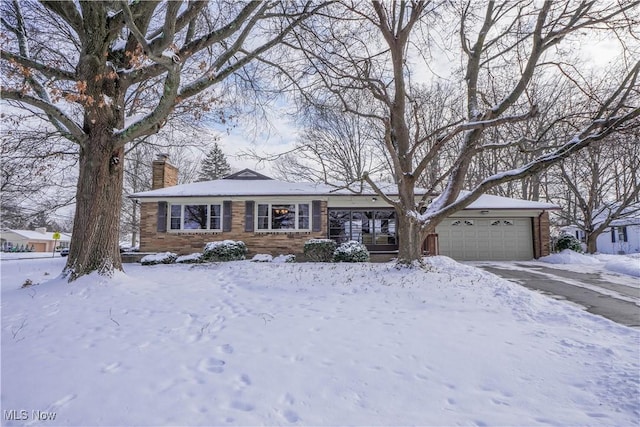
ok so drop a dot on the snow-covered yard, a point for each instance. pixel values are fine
(628, 265)
(244, 343)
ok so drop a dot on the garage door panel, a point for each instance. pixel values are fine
(469, 239)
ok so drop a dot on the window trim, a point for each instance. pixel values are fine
(170, 217)
(269, 216)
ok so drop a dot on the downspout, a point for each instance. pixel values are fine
(540, 234)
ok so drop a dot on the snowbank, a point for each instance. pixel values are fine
(624, 264)
(568, 256)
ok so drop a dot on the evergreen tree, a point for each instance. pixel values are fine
(215, 165)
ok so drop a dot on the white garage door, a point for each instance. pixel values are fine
(479, 239)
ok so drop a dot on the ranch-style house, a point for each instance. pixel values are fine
(278, 217)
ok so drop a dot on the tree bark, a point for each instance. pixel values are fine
(97, 216)
(591, 243)
(411, 238)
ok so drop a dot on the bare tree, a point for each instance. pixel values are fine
(104, 74)
(37, 171)
(371, 47)
(601, 184)
(333, 148)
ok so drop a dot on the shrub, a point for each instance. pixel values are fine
(190, 259)
(160, 258)
(285, 258)
(351, 252)
(567, 241)
(226, 250)
(319, 250)
(262, 258)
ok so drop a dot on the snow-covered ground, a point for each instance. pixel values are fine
(245, 343)
(624, 264)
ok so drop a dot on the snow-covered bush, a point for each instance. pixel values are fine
(190, 259)
(159, 258)
(567, 241)
(351, 252)
(284, 258)
(226, 250)
(319, 250)
(262, 258)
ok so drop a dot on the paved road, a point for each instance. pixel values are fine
(614, 301)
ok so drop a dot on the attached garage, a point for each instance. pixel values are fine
(476, 239)
(495, 228)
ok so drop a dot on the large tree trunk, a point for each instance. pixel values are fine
(95, 243)
(591, 243)
(410, 239)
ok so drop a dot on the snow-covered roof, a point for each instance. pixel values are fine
(488, 201)
(241, 185)
(625, 221)
(630, 215)
(37, 235)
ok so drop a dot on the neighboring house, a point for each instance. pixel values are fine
(621, 237)
(623, 234)
(278, 217)
(38, 240)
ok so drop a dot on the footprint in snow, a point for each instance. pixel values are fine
(291, 416)
(242, 406)
(212, 365)
(226, 348)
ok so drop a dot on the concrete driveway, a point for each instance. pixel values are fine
(611, 295)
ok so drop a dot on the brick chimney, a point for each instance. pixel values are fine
(164, 173)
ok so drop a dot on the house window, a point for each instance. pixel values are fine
(283, 216)
(196, 217)
(368, 227)
(215, 217)
(176, 216)
(622, 234)
(303, 216)
(505, 222)
(462, 222)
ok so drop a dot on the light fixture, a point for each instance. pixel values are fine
(484, 212)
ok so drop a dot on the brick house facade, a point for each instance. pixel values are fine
(276, 217)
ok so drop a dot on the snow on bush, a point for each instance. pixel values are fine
(285, 258)
(262, 258)
(567, 241)
(351, 251)
(159, 258)
(190, 259)
(226, 250)
(568, 256)
(319, 250)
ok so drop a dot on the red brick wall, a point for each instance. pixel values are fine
(541, 235)
(182, 243)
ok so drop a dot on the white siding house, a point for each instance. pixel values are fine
(622, 237)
